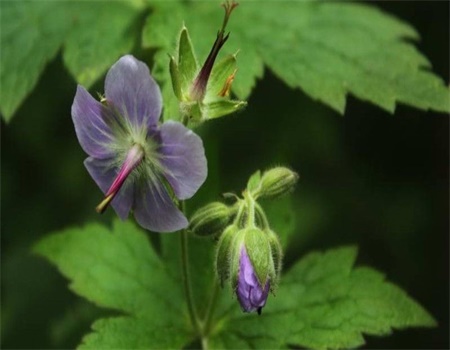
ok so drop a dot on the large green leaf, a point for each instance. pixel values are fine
(323, 302)
(327, 49)
(94, 35)
(28, 40)
(119, 269)
(101, 33)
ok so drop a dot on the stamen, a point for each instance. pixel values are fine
(133, 159)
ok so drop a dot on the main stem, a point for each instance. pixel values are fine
(186, 279)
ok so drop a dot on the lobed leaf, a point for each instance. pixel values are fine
(94, 35)
(326, 49)
(28, 41)
(323, 302)
(119, 269)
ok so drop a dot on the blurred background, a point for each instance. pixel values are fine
(372, 179)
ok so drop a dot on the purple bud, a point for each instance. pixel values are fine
(250, 293)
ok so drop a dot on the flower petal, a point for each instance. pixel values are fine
(130, 88)
(89, 117)
(104, 174)
(155, 210)
(183, 158)
(250, 294)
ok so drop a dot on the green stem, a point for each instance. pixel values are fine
(186, 278)
(251, 209)
(210, 309)
(262, 216)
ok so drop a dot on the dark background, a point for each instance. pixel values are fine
(369, 178)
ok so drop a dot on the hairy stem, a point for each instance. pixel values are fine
(210, 310)
(186, 279)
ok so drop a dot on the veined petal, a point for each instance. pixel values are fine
(104, 174)
(90, 119)
(183, 158)
(130, 88)
(155, 210)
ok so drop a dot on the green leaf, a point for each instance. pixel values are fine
(102, 32)
(327, 49)
(323, 302)
(28, 41)
(94, 35)
(119, 269)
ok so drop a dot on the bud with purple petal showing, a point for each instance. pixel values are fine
(139, 164)
(204, 92)
(252, 268)
(249, 253)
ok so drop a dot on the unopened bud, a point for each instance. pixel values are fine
(224, 247)
(211, 219)
(276, 182)
(251, 268)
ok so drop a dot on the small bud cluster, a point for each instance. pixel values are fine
(249, 253)
(204, 92)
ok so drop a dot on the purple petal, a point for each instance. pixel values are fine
(130, 88)
(250, 294)
(89, 117)
(155, 210)
(183, 158)
(104, 174)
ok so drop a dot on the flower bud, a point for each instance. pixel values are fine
(251, 294)
(276, 182)
(251, 268)
(211, 219)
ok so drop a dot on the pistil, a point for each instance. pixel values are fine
(134, 157)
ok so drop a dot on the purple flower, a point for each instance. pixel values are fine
(138, 164)
(250, 293)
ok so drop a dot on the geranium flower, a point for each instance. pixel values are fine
(138, 164)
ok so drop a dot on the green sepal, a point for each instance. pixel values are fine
(235, 255)
(211, 219)
(223, 253)
(219, 76)
(259, 253)
(221, 107)
(187, 61)
(277, 258)
(191, 111)
(254, 181)
(176, 79)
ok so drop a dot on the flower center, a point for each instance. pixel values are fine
(134, 157)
